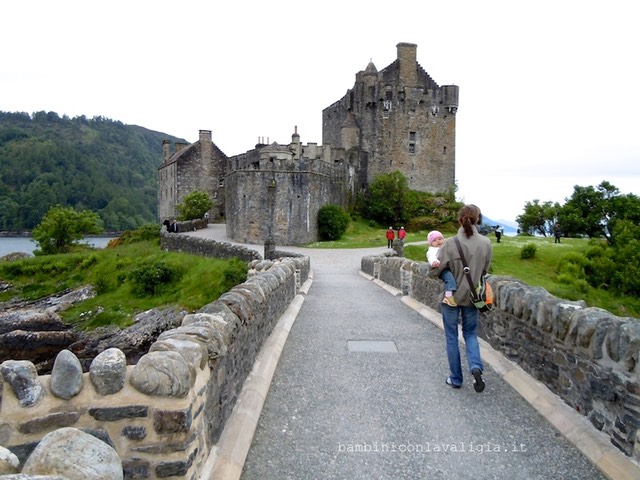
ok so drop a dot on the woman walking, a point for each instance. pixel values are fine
(477, 252)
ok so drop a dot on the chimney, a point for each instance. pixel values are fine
(166, 150)
(205, 136)
(408, 64)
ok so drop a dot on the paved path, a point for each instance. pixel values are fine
(334, 412)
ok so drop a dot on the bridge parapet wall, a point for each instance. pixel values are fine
(587, 356)
(163, 415)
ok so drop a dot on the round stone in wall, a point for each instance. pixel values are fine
(74, 454)
(164, 373)
(9, 463)
(22, 376)
(108, 371)
(66, 375)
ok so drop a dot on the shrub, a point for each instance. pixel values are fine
(572, 266)
(147, 279)
(194, 205)
(333, 221)
(528, 251)
(150, 231)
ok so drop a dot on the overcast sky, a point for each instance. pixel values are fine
(549, 90)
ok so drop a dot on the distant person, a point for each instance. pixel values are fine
(499, 232)
(402, 233)
(435, 240)
(169, 226)
(477, 251)
(206, 216)
(390, 236)
(557, 233)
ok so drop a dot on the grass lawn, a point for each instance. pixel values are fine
(540, 271)
(129, 279)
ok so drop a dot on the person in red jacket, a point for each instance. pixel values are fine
(401, 234)
(390, 236)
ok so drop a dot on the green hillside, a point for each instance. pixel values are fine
(97, 164)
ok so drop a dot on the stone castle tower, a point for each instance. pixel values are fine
(277, 190)
(397, 119)
(394, 119)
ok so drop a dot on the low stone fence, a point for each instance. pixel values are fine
(587, 356)
(164, 414)
(191, 225)
(206, 247)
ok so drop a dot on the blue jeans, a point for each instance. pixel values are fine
(469, 332)
(449, 280)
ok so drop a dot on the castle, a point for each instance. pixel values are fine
(394, 119)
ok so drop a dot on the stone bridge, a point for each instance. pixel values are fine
(359, 391)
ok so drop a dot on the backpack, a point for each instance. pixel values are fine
(482, 294)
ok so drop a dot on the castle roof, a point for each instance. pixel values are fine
(371, 68)
(275, 147)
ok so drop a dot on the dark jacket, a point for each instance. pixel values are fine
(477, 252)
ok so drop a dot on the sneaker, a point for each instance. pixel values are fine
(451, 384)
(449, 301)
(478, 382)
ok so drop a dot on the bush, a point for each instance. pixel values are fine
(194, 205)
(150, 231)
(528, 251)
(147, 279)
(333, 221)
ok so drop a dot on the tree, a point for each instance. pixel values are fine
(538, 218)
(194, 205)
(594, 211)
(386, 201)
(61, 227)
(333, 221)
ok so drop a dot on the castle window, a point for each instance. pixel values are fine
(412, 143)
(444, 150)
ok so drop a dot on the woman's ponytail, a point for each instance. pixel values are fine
(469, 216)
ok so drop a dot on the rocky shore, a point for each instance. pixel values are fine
(35, 331)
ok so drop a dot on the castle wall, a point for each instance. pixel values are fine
(167, 192)
(164, 415)
(587, 356)
(273, 194)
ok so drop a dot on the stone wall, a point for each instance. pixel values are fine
(164, 414)
(205, 247)
(587, 356)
